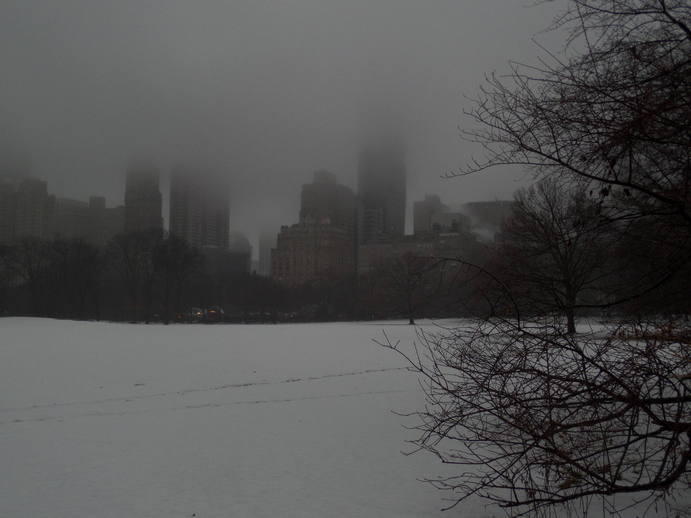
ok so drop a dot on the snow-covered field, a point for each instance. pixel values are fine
(106, 420)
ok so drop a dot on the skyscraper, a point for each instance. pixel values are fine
(199, 208)
(382, 192)
(8, 200)
(325, 201)
(321, 245)
(142, 199)
(71, 219)
(33, 209)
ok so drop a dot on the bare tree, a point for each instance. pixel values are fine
(412, 282)
(618, 115)
(554, 249)
(32, 258)
(535, 418)
(175, 261)
(73, 278)
(613, 113)
(132, 255)
(7, 277)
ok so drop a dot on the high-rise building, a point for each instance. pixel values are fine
(70, 219)
(199, 208)
(142, 199)
(267, 241)
(322, 244)
(8, 200)
(382, 192)
(325, 201)
(14, 169)
(33, 209)
(90, 221)
(27, 210)
(309, 251)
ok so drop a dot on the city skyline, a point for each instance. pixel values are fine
(194, 203)
(265, 92)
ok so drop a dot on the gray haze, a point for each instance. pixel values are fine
(266, 91)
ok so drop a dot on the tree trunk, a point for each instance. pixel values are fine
(570, 321)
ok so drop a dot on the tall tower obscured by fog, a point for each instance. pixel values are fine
(199, 208)
(382, 192)
(142, 199)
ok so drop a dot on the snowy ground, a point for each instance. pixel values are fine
(105, 420)
(118, 420)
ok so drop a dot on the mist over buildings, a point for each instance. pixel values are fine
(263, 93)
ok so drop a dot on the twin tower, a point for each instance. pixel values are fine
(199, 204)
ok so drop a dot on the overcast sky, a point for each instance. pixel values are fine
(266, 91)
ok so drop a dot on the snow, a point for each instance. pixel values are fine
(120, 420)
(126, 421)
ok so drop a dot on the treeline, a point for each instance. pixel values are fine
(142, 276)
(154, 277)
(147, 276)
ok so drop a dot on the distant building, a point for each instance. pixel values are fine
(199, 208)
(241, 251)
(424, 210)
(431, 216)
(104, 223)
(8, 202)
(487, 217)
(267, 241)
(25, 206)
(90, 221)
(450, 222)
(142, 199)
(307, 252)
(322, 245)
(70, 219)
(27, 210)
(373, 256)
(33, 209)
(381, 192)
(327, 202)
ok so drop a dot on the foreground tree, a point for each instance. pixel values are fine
(618, 115)
(536, 418)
